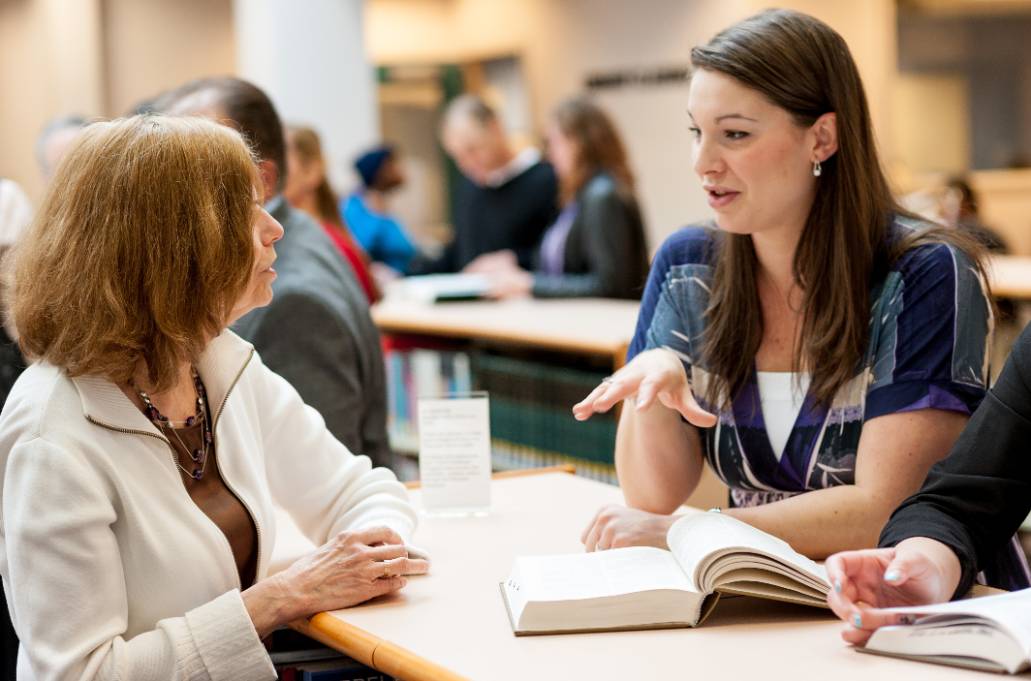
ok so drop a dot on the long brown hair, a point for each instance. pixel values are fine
(599, 147)
(308, 146)
(140, 250)
(804, 66)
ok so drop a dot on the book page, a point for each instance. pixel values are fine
(598, 574)
(697, 540)
(1012, 611)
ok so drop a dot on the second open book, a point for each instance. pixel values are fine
(649, 588)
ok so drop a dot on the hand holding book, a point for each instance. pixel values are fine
(916, 572)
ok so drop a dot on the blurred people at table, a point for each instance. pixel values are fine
(504, 200)
(367, 213)
(317, 333)
(307, 189)
(596, 246)
(54, 141)
(960, 209)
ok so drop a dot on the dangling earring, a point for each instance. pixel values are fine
(817, 169)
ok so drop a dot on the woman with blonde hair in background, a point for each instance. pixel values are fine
(307, 188)
(142, 452)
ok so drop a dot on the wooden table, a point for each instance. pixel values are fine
(1010, 276)
(580, 325)
(452, 624)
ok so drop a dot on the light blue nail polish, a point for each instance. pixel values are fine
(837, 585)
(857, 621)
(892, 576)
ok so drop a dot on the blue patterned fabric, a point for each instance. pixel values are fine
(927, 349)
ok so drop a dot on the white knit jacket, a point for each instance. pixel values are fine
(110, 569)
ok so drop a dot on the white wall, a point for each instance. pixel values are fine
(310, 58)
(50, 65)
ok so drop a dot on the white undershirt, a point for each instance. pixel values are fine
(781, 397)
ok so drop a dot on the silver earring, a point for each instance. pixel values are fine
(817, 169)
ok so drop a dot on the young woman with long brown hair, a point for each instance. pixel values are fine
(596, 246)
(821, 349)
(307, 189)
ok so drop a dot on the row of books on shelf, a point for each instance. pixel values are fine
(530, 406)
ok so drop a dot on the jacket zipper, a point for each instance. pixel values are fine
(214, 424)
(175, 468)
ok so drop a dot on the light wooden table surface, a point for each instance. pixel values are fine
(452, 623)
(581, 325)
(1010, 276)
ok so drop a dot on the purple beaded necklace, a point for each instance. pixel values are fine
(198, 456)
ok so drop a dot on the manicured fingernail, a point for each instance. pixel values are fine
(892, 576)
(837, 585)
(857, 621)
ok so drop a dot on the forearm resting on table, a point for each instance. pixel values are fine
(824, 521)
(658, 458)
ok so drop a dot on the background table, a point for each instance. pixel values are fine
(452, 624)
(590, 326)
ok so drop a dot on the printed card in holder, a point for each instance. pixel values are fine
(454, 453)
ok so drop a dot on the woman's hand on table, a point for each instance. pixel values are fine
(617, 526)
(656, 374)
(494, 262)
(351, 568)
(918, 571)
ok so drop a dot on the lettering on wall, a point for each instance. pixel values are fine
(646, 77)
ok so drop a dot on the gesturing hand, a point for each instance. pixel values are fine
(918, 571)
(653, 374)
(349, 569)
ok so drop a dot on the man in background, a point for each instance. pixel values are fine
(504, 201)
(317, 332)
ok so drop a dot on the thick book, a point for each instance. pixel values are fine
(992, 633)
(649, 588)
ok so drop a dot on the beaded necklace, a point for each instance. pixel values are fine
(198, 456)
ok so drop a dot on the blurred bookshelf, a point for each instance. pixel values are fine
(531, 392)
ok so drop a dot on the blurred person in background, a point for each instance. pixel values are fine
(504, 200)
(596, 246)
(960, 210)
(307, 189)
(368, 216)
(54, 141)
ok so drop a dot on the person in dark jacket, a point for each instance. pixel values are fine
(596, 246)
(504, 199)
(969, 507)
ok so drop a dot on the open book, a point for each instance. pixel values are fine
(649, 588)
(992, 633)
(437, 288)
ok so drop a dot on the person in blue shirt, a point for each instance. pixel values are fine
(365, 211)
